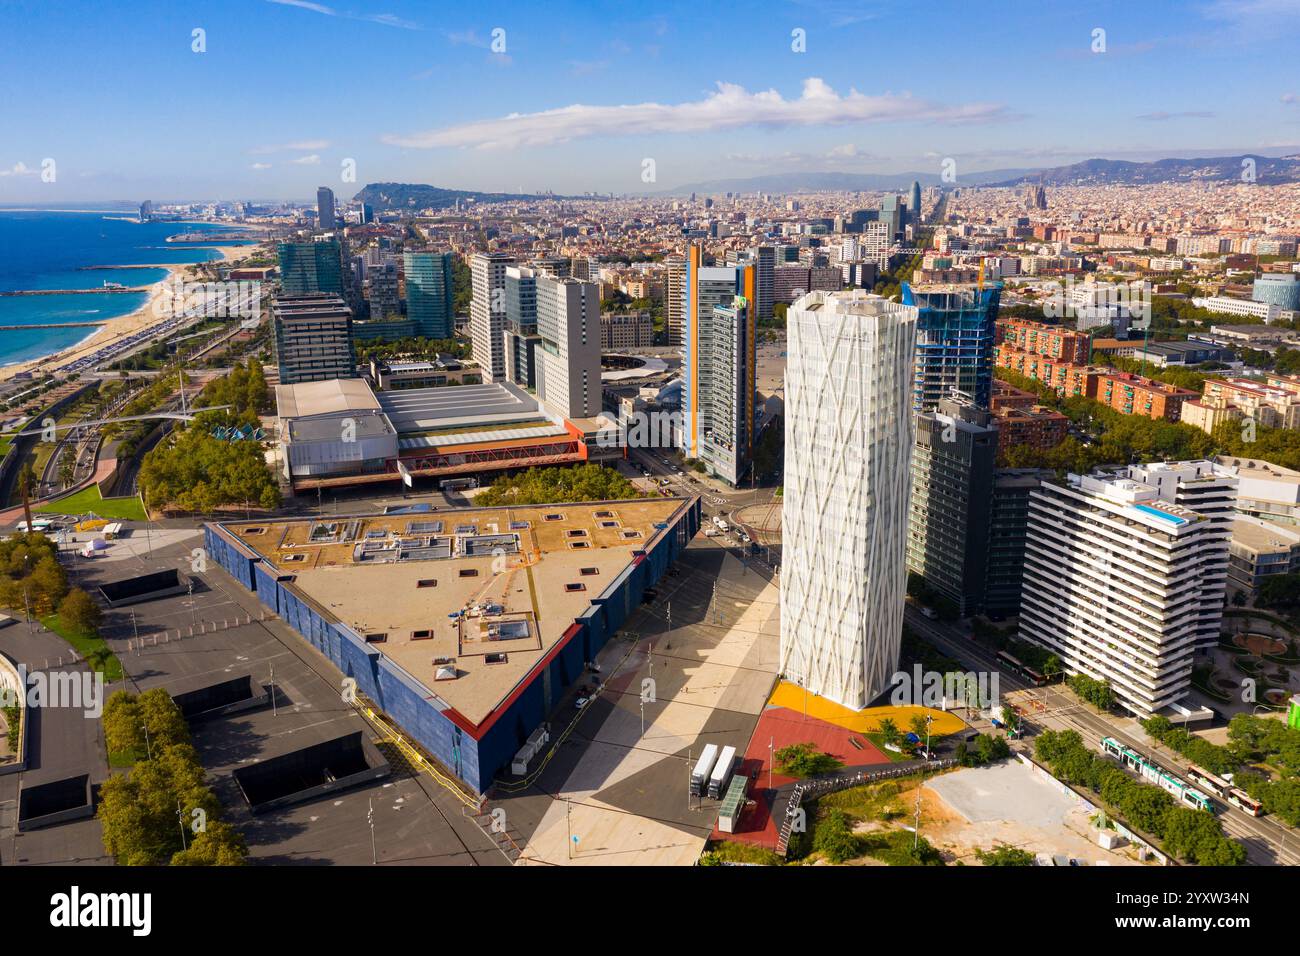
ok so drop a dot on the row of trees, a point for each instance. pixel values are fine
(1123, 439)
(1191, 835)
(1212, 757)
(1284, 360)
(192, 470)
(244, 389)
(1251, 740)
(544, 486)
(988, 749)
(834, 838)
(161, 812)
(1096, 692)
(416, 347)
(1263, 740)
(30, 574)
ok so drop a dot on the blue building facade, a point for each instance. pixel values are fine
(473, 753)
(310, 266)
(1281, 289)
(429, 306)
(954, 342)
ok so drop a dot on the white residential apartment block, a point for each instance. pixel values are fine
(1265, 490)
(1125, 573)
(848, 444)
(1268, 312)
(487, 312)
(568, 356)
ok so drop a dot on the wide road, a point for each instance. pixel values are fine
(1268, 841)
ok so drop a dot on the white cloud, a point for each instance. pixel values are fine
(1290, 98)
(18, 169)
(1270, 13)
(304, 5)
(729, 107)
(1160, 115)
(466, 38)
(312, 160)
(260, 166)
(383, 19)
(587, 67)
(299, 147)
(845, 154)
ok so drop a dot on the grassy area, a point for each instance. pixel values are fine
(893, 756)
(727, 852)
(93, 649)
(89, 499)
(121, 759)
(875, 801)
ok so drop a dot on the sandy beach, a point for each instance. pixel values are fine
(152, 313)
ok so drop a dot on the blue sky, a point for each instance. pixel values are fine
(287, 90)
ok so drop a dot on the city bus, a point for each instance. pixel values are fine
(457, 484)
(1032, 675)
(1245, 802)
(1209, 781)
(1017, 666)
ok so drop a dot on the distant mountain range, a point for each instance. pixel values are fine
(836, 182)
(1268, 170)
(1091, 172)
(388, 196)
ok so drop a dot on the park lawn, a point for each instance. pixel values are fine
(89, 499)
(726, 851)
(92, 648)
(122, 759)
(879, 740)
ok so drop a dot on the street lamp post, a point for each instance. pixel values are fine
(370, 819)
(916, 833)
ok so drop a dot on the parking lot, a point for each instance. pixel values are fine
(217, 632)
(624, 793)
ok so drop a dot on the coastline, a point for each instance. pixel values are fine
(116, 329)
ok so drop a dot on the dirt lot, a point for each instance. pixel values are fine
(978, 808)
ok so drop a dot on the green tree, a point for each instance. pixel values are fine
(123, 727)
(588, 482)
(219, 844)
(889, 732)
(834, 838)
(919, 725)
(80, 612)
(805, 760)
(160, 714)
(1005, 856)
(48, 584)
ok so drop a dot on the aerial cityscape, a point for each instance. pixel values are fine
(595, 437)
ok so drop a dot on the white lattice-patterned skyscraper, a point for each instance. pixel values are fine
(848, 445)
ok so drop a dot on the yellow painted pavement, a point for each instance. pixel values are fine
(791, 696)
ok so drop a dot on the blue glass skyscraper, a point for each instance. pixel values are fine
(429, 293)
(954, 341)
(309, 267)
(1280, 289)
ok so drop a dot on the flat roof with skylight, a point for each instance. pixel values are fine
(467, 602)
